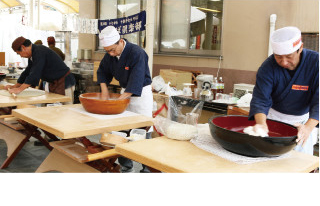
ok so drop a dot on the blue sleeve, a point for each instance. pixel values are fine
(314, 106)
(261, 98)
(38, 64)
(103, 76)
(137, 76)
(25, 73)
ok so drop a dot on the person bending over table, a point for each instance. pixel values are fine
(287, 88)
(127, 63)
(44, 64)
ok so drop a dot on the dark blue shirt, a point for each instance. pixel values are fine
(131, 70)
(47, 65)
(296, 95)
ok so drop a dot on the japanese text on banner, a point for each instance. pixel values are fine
(126, 25)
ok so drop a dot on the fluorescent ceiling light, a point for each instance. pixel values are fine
(210, 10)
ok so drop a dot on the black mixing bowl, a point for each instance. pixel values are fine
(2, 76)
(228, 132)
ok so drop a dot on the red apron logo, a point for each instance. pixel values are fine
(300, 87)
(126, 68)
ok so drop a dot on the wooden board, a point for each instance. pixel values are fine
(67, 123)
(47, 98)
(78, 152)
(57, 161)
(169, 155)
(233, 110)
(13, 125)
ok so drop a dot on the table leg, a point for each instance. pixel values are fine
(103, 165)
(14, 153)
(15, 140)
(34, 132)
(51, 136)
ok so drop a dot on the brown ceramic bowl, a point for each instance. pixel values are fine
(93, 103)
(2, 76)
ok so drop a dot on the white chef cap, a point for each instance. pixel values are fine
(109, 36)
(286, 40)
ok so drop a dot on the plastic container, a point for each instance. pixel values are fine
(214, 88)
(221, 85)
(137, 134)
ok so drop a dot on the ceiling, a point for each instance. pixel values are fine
(9, 3)
(63, 6)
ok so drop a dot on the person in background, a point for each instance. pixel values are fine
(287, 88)
(38, 42)
(127, 63)
(52, 45)
(44, 64)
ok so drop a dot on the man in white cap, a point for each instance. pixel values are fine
(127, 63)
(287, 88)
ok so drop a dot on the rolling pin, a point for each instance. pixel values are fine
(13, 94)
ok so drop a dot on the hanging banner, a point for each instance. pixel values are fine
(126, 25)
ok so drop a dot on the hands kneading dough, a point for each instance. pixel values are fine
(255, 131)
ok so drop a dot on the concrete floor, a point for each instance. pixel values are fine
(30, 157)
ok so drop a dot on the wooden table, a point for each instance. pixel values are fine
(14, 139)
(169, 155)
(46, 98)
(67, 123)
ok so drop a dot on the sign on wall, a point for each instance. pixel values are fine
(126, 25)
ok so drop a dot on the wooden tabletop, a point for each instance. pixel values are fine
(67, 123)
(169, 155)
(6, 101)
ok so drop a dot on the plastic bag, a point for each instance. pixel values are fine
(179, 125)
(158, 83)
(175, 130)
(175, 111)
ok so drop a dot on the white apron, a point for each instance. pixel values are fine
(292, 120)
(143, 104)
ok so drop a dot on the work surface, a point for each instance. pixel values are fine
(6, 101)
(169, 155)
(65, 122)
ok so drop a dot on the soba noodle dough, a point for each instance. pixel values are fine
(24, 93)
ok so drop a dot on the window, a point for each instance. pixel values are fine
(113, 9)
(191, 27)
(310, 41)
(184, 27)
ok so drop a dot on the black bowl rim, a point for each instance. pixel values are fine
(259, 137)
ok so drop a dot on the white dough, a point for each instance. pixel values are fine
(180, 131)
(260, 132)
(24, 93)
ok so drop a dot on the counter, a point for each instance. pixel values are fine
(186, 104)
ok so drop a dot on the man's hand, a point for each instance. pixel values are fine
(261, 130)
(125, 95)
(303, 133)
(15, 90)
(7, 87)
(104, 96)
